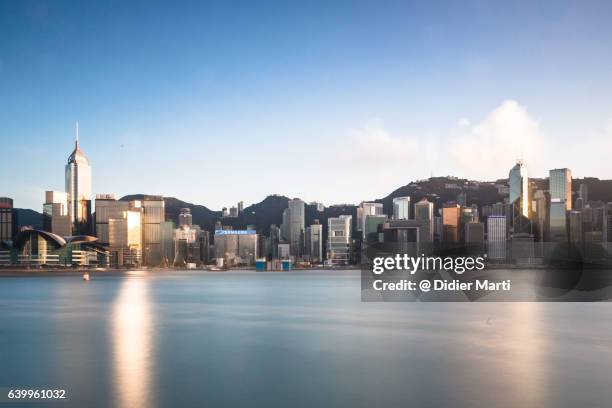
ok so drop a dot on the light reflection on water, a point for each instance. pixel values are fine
(294, 339)
(132, 338)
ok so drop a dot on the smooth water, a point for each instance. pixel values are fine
(195, 339)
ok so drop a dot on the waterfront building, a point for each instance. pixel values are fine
(154, 215)
(275, 239)
(78, 187)
(339, 240)
(424, 214)
(496, 237)
(401, 208)
(314, 242)
(167, 243)
(8, 219)
(125, 234)
(236, 246)
(295, 230)
(284, 251)
(107, 207)
(187, 243)
(55, 213)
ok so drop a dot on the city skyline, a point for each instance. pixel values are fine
(394, 94)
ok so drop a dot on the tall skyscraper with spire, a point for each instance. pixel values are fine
(78, 187)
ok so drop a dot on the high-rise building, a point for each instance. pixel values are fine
(496, 237)
(107, 207)
(275, 239)
(154, 215)
(8, 219)
(236, 246)
(560, 187)
(167, 242)
(240, 207)
(401, 208)
(560, 181)
(542, 213)
(424, 214)
(364, 210)
(518, 190)
(339, 240)
(187, 240)
(451, 213)
(314, 242)
(55, 213)
(296, 220)
(576, 232)
(78, 187)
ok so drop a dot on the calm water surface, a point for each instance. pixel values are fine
(194, 339)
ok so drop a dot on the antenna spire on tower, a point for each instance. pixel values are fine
(77, 134)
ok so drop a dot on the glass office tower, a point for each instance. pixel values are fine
(78, 187)
(518, 186)
(401, 208)
(560, 187)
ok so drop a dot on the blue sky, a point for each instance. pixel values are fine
(216, 102)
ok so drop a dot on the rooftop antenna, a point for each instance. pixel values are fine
(77, 134)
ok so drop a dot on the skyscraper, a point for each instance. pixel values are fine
(314, 242)
(424, 214)
(78, 187)
(339, 240)
(401, 208)
(296, 226)
(496, 237)
(451, 213)
(154, 215)
(518, 188)
(560, 186)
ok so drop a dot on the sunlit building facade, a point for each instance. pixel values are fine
(55, 213)
(154, 213)
(560, 187)
(78, 187)
(518, 190)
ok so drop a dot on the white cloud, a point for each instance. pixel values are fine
(372, 146)
(488, 149)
